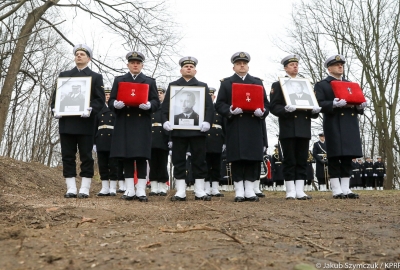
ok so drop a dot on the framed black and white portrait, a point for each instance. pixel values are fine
(298, 92)
(72, 95)
(186, 109)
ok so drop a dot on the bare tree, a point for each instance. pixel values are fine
(32, 55)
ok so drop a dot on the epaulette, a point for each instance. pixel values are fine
(102, 86)
(224, 79)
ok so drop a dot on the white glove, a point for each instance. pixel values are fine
(290, 108)
(339, 103)
(204, 127)
(118, 104)
(167, 126)
(384, 175)
(362, 105)
(170, 152)
(169, 144)
(352, 176)
(188, 154)
(56, 115)
(366, 175)
(316, 109)
(264, 149)
(374, 174)
(87, 114)
(235, 111)
(94, 148)
(223, 147)
(146, 106)
(258, 112)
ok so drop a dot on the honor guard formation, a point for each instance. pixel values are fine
(189, 136)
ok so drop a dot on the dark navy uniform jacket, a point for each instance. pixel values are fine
(132, 131)
(295, 124)
(341, 128)
(160, 136)
(104, 124)
(208, 108)
(216, 134)
(245, 137)
(76, 124)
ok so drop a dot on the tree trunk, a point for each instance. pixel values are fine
(16, 60)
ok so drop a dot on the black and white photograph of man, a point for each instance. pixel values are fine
(298, 93)
(74, 100)
(185, 102)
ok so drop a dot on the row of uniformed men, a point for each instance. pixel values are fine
(246, 135)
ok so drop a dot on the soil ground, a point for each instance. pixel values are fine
(39, 229)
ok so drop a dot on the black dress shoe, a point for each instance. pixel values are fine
(304, 198)
(142, 199)
(339, 196)
(102, 194)
(70, 195)
(290, 198)
(239, 199)
(120, 191)
(153, 194)
(204, 198)
(176, 198)
(218, 195)
(162, 194)
(352, 196)
(83, 196)
(252, 199)
(260, 195)
(113, 194)
(127, 198)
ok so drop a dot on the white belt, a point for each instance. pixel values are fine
(369, 168)
(278, 162)
(216, 126)
(106, 126)
(156, 125)
(380, 168)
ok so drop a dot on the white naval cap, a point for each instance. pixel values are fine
(188, 60)
(83, 47)
(240, 56)
(289, 59)
(337, 58)
(134, 55)
(212, 90)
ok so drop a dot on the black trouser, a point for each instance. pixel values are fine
(129, 167)
(321, 181)
(340, 167)
(198, 156)
(370, 181)
(280, 182)
(108, 167)
(245, 170)
(158, 165)
(224, 172)
(120, 170)
(308, 182)
(379, 181)
(70, 144)
(295, 153)
(214, 167)
(189, 172)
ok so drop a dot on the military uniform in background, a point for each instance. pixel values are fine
(215, 145)
(108, 167)
(159, 152)
(380, 173)
(369, 174)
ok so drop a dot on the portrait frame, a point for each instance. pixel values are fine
(70, 102)
(292, 86)
(178, 94)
